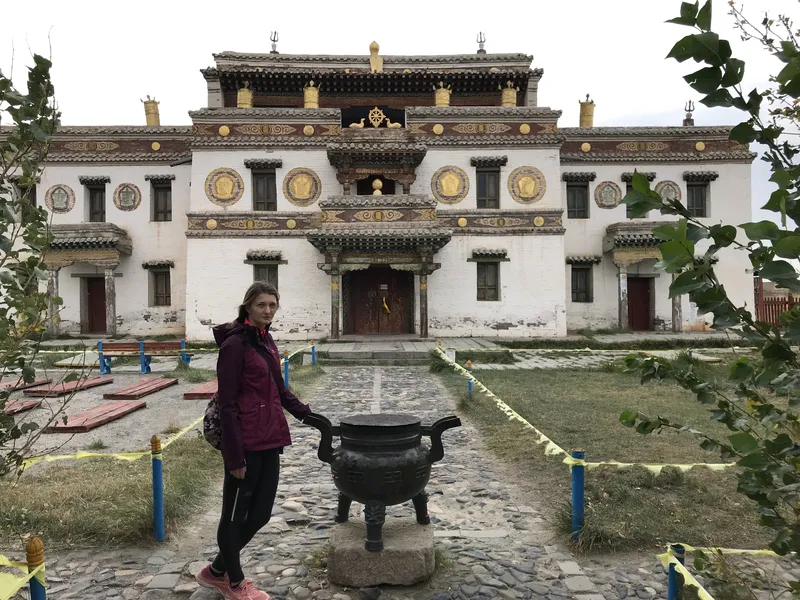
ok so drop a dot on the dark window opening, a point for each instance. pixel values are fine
(162, 202)
(488, 281)
(582, 284)
(97, 203)
(162, 295)
(577, 200)
(265, 196)
(360, 116)
(266, 273)
(488, 187)
(697, 199)
(364, 187)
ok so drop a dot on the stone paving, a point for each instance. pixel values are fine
(493, 541)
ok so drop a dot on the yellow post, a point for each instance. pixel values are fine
(34, 556)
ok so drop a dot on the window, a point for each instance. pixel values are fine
(27, 198)
(488, 281)
(488, 187)
(582, 284)
(97, 203)
(160, 288)
(264, 195)
(628, 190)
(162, 201)
(577, 200)
(697, 199)
(266, 273)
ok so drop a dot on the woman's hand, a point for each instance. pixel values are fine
(239, 473)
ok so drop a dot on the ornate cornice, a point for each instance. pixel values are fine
(578, 176)
(627, 176)
(116, 158)
(660, 157)
(495, 140)
(268, 113)
(700, 176)
(573, 133)
(398, 201)
(512, 112)
(263, 163)
(488, 161)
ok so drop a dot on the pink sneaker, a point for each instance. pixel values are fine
(208, 580)
(244, 591)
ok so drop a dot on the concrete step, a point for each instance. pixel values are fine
(374, 362)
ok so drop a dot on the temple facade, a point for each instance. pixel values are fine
(422, 195)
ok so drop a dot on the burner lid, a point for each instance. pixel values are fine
(380, 420)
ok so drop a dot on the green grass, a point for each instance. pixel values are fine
(104, 502)
(651, 344)
(97, 445)
(627, 509)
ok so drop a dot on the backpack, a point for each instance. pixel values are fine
(212, 429)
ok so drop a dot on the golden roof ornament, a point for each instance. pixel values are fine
(377, 185)
(244, 97)
(442, 94)
(508, 94)
(375, 60)
(310, 95)
(151, 115)
(587, 112)
(376, 116)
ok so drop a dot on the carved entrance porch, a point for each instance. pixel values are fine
(378, 299)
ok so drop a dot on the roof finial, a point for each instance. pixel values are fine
(481, 41)
(688, 121)
(273, 36)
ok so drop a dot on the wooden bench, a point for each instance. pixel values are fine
(144, 350)
(95, 417)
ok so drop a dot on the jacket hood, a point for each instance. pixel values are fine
(224, 331)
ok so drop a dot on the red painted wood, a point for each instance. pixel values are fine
(62, 389)
(18, 384)
(97, 416)
(140, 389)
(18, 406)
(203, 391)
(639, 317)
(96, 304)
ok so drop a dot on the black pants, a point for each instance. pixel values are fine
(246, 508)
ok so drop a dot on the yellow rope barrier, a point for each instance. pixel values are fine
(10, 584)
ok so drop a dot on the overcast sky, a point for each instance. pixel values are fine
(109, 55)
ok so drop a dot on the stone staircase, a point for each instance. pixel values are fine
(388, 351)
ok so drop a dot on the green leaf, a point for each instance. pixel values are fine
(709, 300)
(70, 377)
(743, 442)
(755, 460)
(789, 72)
(763, 230)
(788, 247)
(695, 233)
(782, 178)
(705, 80)
(683, 49)
(39, 134)
(788, 51)
(744, 133)
(734, 72)
(741, 370)
(704, 16)
(665, 232)
(628, 418)
(721, 97)
(778, 270)
(675, 255)
(709, 445)
(777, 351)
(685, 283)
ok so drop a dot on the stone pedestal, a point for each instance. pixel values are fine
(407, 556)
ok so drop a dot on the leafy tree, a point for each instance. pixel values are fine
(23, 240)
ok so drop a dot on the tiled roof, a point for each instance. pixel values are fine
(489, 253)
(94, 179)
(387, 59)
(488, 161)
(583, 260)
(660, 157)
(635, 240)
(157, 178)
(264, 255)
(116, 157)
(263, 163)
(519, 112)
(83, 242)
(669, 131)
(319, 113)
(700, 175)
(578, 176)
(628, 176)
(384, 201)
(158, 264)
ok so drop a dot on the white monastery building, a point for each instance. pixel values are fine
(420, 195)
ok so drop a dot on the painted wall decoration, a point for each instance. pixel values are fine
(607, 194)
(127, 197)
(60, 198)
(669, 190)
(526, 185)
(224, 186)
(450, 184)
(302, 187)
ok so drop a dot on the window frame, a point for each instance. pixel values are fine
(157, 299)
(91, 190)
(269, 267)
(269, 204)
(588, 292)
(481, 289)
(483, 172)
(584, 187)
(155, 187)
(699, 185)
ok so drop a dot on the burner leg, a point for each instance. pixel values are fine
(421, 507)
(343, 510)
(375, 516)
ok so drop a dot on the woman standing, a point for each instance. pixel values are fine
(251, 398)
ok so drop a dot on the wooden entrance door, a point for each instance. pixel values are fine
(96, 304)
(381, 301)
(639, 298)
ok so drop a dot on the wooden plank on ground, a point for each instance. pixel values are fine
(204, 391)
(97, 416)
(18, 384)
(18, 406)
(140, 389)
(62, 389)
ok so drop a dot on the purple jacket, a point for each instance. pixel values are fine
(251, 400)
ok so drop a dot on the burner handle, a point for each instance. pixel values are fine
(436, 452)
(325, 452)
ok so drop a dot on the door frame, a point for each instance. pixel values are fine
(347, 310)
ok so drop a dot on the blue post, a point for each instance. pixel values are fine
(185, 357)
(578, 505)
(313, 352)
(143, 366)
(34, 554)
(469, 380)
(101, 359)
(286, 368)
(158, 488)
(673, 593)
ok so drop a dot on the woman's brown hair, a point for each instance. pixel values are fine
(253, 292)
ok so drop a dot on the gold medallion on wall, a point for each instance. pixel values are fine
(224, 186)
(302, 187)
(60, 198)
(526, 185)
(607, 194)
(669, 191)
(450, 185)
(127, 197)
